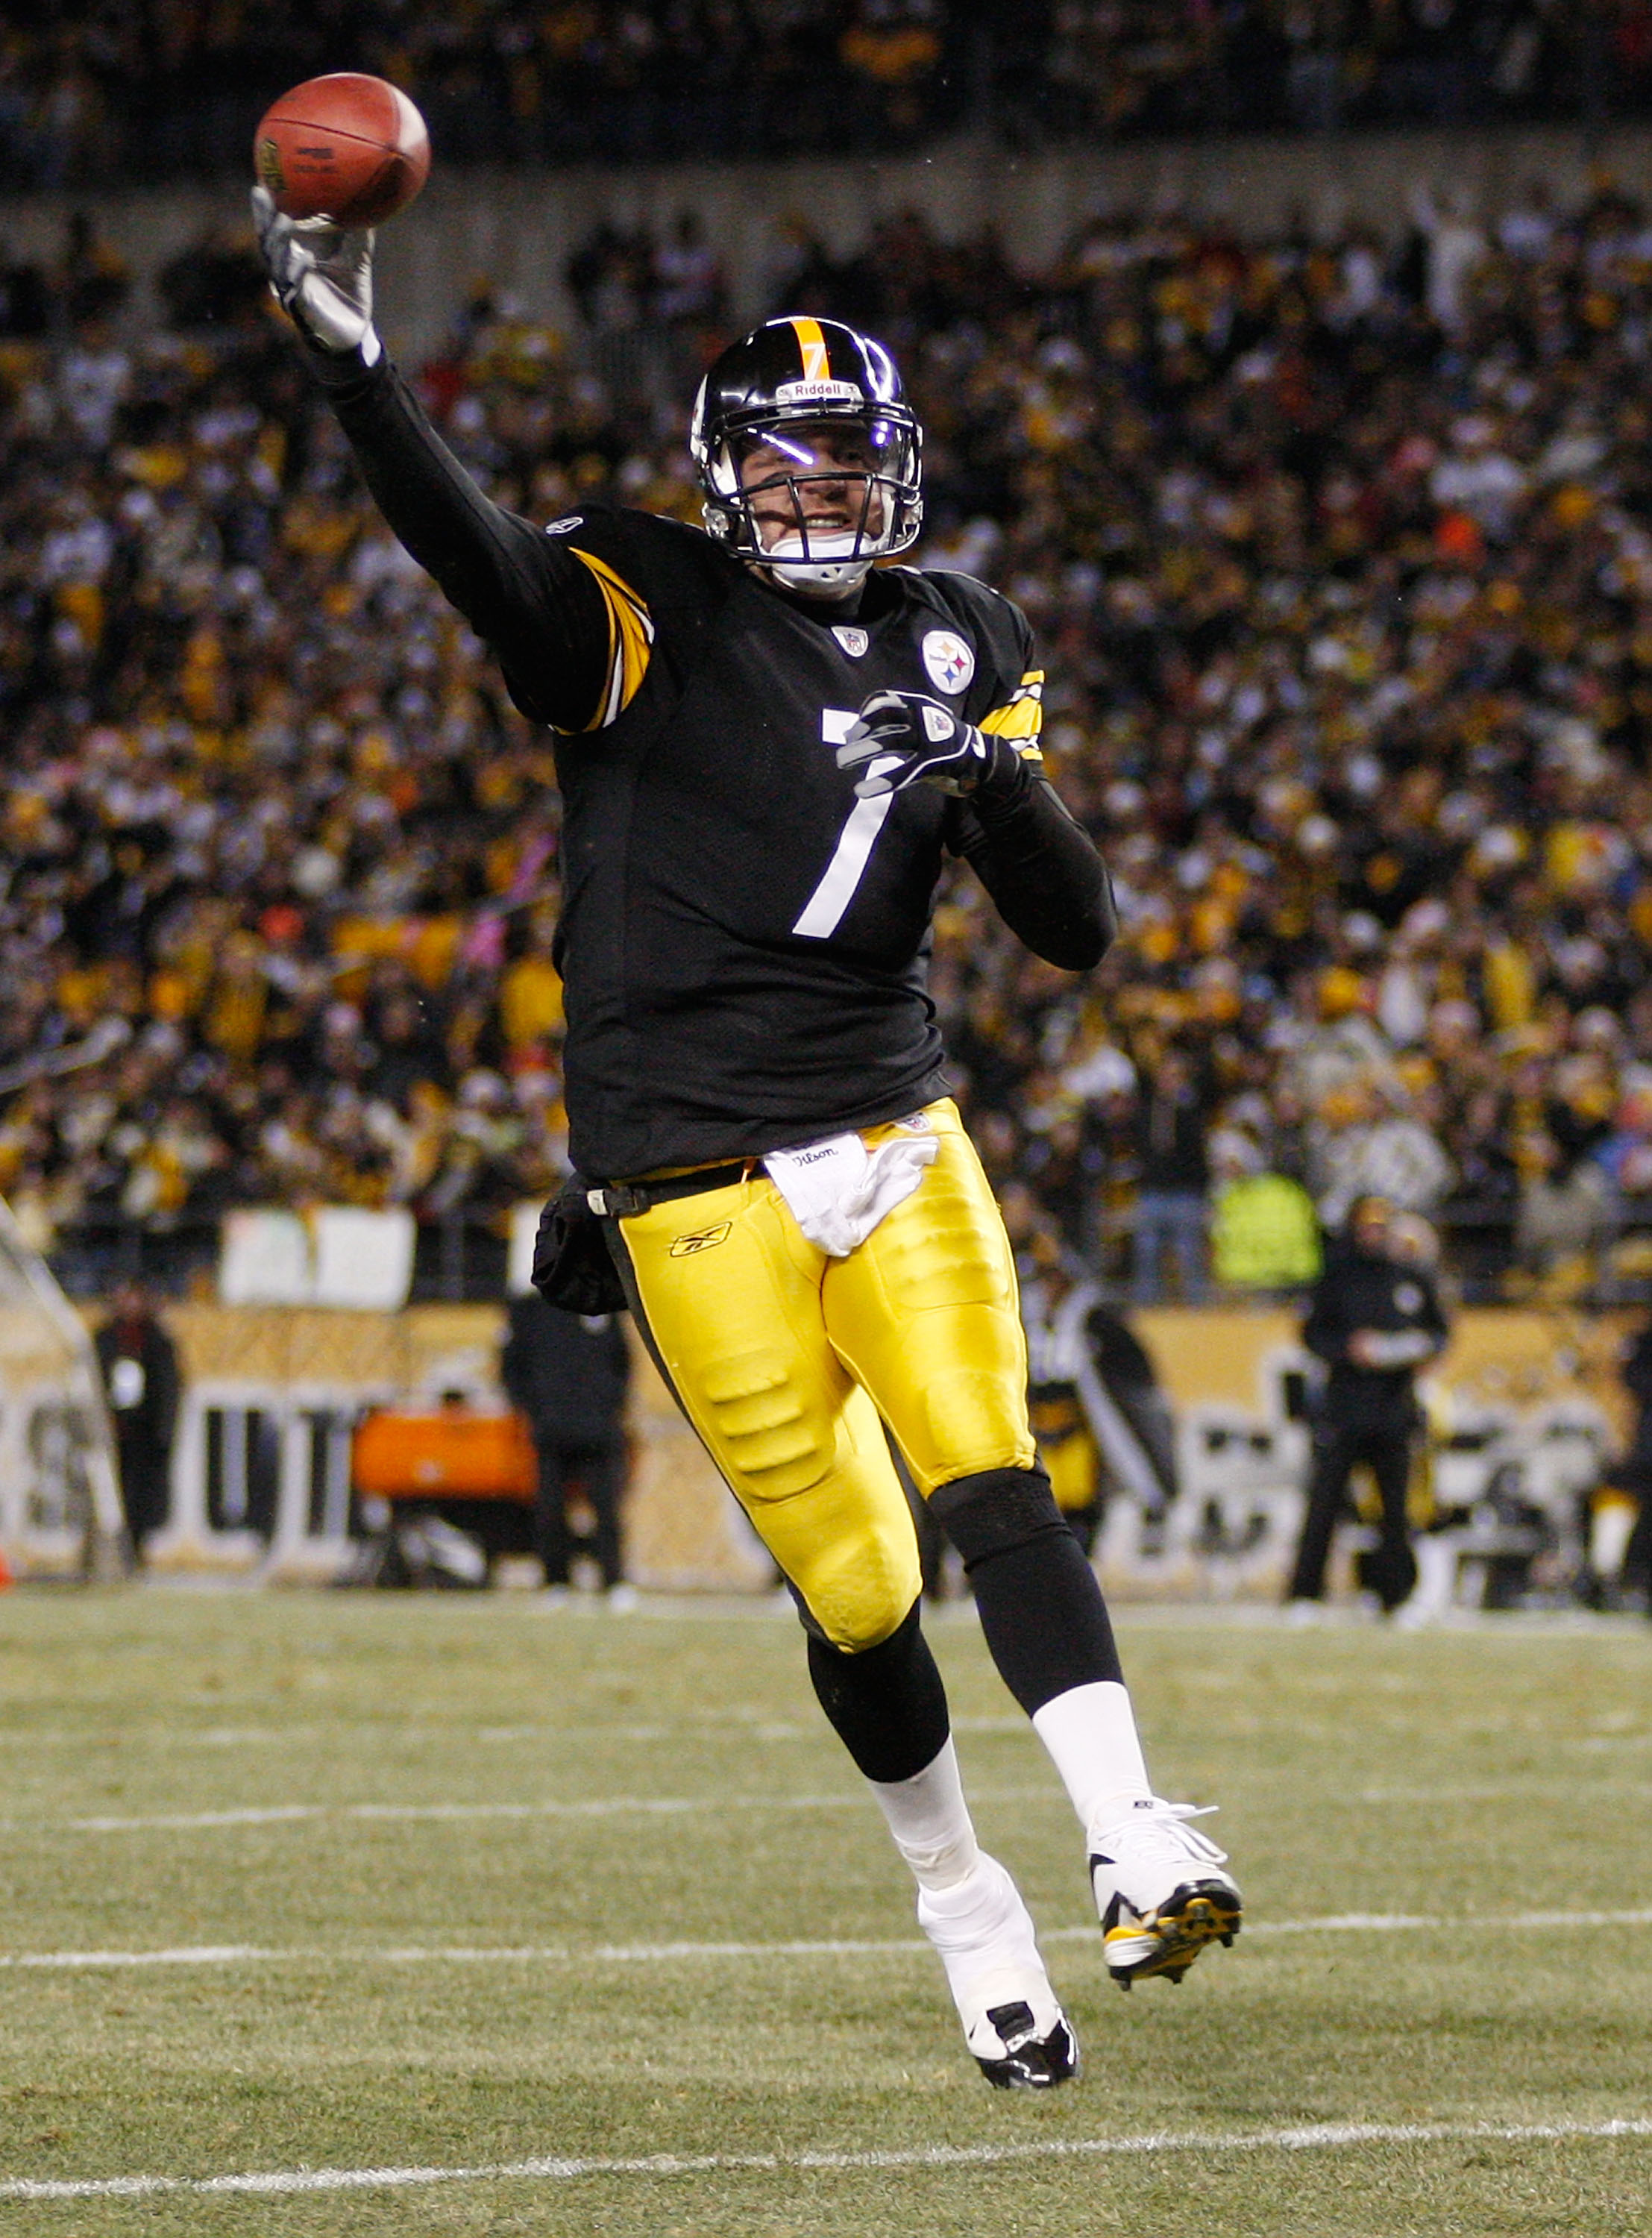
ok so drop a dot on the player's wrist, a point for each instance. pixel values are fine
(1005, 776)
(336, 368)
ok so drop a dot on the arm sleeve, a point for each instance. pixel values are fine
(1046, 878)
(1324, 1332)
(543, 607)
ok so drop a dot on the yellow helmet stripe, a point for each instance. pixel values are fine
(811, 344)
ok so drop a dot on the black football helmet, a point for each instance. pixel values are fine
(788, 379)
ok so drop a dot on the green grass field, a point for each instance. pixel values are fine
(426, 1884)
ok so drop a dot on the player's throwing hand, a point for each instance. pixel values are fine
(900, 738)
(322, 278)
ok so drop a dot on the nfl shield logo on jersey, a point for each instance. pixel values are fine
(949, 659)
(853, 641)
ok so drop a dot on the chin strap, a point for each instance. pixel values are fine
(844, 577)
(822, 570)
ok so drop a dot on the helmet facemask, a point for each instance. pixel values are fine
(869, 458)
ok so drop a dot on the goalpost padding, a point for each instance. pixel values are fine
(60, 1505)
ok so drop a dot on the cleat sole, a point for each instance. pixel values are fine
(1194, 1916)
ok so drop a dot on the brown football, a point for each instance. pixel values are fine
(348, 148)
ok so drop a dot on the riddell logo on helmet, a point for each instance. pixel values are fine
(818, 392)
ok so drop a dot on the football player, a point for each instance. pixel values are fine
(767, 745)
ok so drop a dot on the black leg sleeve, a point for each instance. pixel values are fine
(886, 1705)
(1046, 1624)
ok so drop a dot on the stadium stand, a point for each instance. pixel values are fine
(91, 90)
(1338, 552)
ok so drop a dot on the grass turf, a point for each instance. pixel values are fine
(480, 1774)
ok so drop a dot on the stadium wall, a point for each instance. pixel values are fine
(519, 228)
(1524, 1390)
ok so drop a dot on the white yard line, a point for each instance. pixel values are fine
(633, 1954)
(1320, 2137)
(668, 1805)
(604, 1806)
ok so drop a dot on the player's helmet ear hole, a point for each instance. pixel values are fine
(829, 404)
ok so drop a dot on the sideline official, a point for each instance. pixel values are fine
(139, 1364)
(1374, 1319)
(569, 1375)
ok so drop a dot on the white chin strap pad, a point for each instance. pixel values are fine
(820, 569)
(842, 575)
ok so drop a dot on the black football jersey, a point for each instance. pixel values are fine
(743, 941)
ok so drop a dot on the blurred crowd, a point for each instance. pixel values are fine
(99, 89)
(1339, 553)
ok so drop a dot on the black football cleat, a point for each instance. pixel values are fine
(1029, 2061)
(1013, 2022)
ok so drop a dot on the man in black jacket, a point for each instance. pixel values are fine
(1374, 1319)
(568, 1373)
(767, 747)
(139, 1368)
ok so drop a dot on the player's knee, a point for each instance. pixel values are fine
(974, 1419)
(857, 1595)
(995, 1511)
(776, 1439)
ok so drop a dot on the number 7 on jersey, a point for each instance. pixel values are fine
(824, 910)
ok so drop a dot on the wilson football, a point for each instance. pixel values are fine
(347, 147)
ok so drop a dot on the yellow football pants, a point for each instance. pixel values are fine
(788, 1363)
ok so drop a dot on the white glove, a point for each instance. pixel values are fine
(322, 278)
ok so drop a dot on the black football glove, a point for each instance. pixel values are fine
(904, 738)
(322, 277)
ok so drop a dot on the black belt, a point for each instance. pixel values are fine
(623, 1200)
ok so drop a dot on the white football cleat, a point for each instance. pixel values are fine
(1160, 1892)
(1013, 2022)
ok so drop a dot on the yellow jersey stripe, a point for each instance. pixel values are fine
(1018, 718)
(630, 640)
(812, 345)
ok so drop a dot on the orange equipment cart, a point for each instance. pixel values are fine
(450, 1453)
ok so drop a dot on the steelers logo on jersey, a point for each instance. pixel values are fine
(949, 661)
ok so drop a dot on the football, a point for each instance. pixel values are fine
(347, 147)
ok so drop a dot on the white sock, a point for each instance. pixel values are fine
(1090, 1732)
(930, 1821)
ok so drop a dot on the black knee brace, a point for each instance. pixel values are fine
(996, 1511)
(1041, 1608)
(886, 1705)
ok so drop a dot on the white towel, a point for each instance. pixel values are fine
(838, 1190)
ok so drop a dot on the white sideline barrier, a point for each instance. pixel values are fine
(261, 1478)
